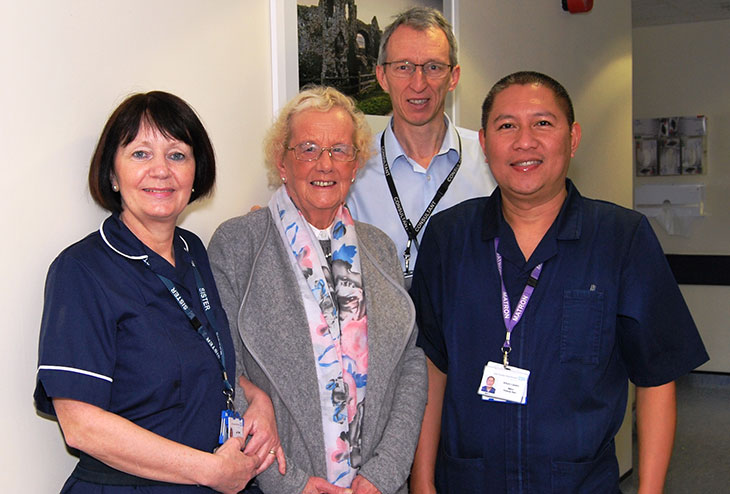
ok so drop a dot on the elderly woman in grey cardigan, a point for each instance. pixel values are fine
(318, 312)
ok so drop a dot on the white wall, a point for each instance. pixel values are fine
(65, 66)
(679, 70)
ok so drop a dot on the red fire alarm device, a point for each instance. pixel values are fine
(577, 6)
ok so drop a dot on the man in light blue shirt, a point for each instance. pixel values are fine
(432, 163)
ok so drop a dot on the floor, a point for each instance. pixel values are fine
(701, 458)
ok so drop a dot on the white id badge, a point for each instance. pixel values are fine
(504, 384)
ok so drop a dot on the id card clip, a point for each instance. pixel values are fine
(407, 260)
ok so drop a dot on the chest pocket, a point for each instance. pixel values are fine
(580, 335)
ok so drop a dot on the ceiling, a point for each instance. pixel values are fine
(659, 12)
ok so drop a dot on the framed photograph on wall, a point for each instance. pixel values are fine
(335, 42)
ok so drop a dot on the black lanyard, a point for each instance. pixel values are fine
(413, 231)
(198, 326)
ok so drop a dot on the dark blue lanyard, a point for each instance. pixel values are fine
(199, 327)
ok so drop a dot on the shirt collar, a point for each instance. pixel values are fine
(321, 233)
(123, 242)
(451, 138)
(395, 153)
(571, 214)
(567, 225)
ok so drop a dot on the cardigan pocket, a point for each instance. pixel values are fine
(580, 334)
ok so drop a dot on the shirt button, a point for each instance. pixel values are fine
(428, 178)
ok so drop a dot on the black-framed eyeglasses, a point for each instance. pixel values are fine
(432, 70)
(310, 151)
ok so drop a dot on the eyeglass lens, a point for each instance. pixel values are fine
(432, 70)
(309, 151)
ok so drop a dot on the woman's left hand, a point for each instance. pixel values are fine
(259, 423)
(361, 485)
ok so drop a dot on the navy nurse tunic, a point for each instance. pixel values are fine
(113, 336)
(606, 309)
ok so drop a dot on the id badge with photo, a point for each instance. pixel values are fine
(500, 383)
(231, 426)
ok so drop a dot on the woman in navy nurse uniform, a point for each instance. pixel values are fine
(135, 355)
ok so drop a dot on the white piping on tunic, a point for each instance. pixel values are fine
(74, 370)
(134, 258)
(185, 244)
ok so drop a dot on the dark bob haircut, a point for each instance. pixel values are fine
(169, 115)
(523, 79)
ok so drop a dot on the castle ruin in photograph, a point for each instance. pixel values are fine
(337, 49)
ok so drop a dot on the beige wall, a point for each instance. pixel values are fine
(590, 54)
(683, 70)
(65, 66)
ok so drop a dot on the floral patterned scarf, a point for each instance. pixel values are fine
(334, 302)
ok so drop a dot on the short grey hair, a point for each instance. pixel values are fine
(420, 19)
(320, 98)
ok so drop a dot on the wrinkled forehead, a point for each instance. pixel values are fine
(310, 121)
(418, 44)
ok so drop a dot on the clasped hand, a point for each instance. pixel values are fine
(260, 424)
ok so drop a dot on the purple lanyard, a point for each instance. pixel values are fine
(511, 320)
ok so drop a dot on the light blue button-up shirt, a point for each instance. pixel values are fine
(370, 200)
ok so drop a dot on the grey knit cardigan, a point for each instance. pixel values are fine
(273, 349)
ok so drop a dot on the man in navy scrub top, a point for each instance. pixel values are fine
(562, 299)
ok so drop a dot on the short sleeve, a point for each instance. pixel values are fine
(428, 281)
(659, 340)
(76, 354)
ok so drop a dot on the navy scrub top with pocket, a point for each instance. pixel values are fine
(606, 309)
(112, 335)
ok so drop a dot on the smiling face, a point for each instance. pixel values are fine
(528, 144)
(318, 187)
(417, 100)
(155, 177)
